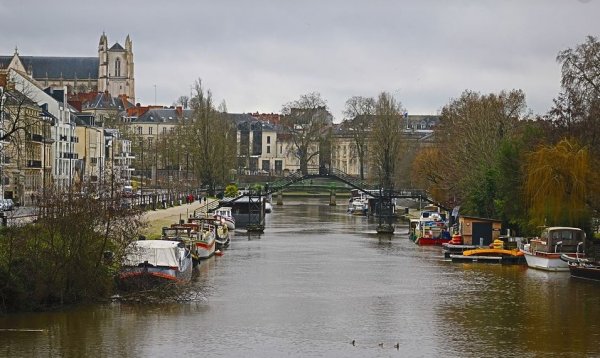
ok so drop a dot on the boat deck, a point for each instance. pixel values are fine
(489, 259)
(450, 249)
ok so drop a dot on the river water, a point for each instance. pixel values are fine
(316, 280)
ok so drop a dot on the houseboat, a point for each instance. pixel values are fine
(152, 263)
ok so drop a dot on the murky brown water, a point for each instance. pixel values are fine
(318, 279)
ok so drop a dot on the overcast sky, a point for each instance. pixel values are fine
(259, 55)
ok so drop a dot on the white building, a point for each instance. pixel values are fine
(63, 131)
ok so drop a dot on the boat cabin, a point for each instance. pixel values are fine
(559, 239)
(479, 231)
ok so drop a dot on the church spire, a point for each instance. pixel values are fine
(103, 41)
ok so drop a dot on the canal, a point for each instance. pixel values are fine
(316, 280)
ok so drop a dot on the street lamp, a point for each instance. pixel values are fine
(142, 171)
(70, 155)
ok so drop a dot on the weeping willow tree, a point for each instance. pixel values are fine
(558, 183)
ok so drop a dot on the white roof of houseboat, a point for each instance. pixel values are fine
(562, 228)
(156, 252)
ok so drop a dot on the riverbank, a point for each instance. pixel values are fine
(157, 219)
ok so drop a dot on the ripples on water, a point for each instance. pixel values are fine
(319, 278)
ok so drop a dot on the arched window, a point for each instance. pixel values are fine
(118, 67)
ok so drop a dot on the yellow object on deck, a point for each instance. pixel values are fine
(498, 244)
(496, 252)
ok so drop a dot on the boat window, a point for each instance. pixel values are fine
(425, 215)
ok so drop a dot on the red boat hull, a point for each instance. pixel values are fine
(426, 241)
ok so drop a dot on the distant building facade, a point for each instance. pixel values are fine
(112, 70)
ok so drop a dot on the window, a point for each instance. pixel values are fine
(149, 130)
(118, 67)
(268, 149)
(165, 130)
(268, 140)
(149, 142)
(266, 165)
(139, 130)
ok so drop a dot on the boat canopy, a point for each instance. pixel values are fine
(155, 252)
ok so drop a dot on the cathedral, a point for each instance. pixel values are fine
(111, 71)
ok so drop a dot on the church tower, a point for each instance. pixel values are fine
(115, 71)
(103, 64)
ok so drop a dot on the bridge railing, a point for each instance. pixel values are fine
(352, 180)
(285, 181)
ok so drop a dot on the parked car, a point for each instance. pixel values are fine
(7, 204)
(127, 191)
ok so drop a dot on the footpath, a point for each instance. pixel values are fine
(157, 219)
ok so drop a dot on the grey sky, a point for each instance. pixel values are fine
(259, 55)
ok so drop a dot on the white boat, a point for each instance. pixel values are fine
(225, 212)
(431, 228)
(150, 263)
(268, 207)
(544, 252)
(358, 207)
(205, 246)
(221, 230)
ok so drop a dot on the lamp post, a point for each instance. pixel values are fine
(71, 125)
(142, 172)
(2, 99)
(112, 167)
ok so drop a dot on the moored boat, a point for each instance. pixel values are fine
(222, 238)
(185, 233)
(431, 228)
(151, 263)
(545, 252)
(225, 212)
(207, 235)
(268, 207)
(582, 267)
(358, 207)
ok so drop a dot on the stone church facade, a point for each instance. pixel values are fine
(112, 70)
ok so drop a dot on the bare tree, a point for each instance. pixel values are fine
(465, 165)
(305, 121)
(211, 140)
(182, 101)
(581, 69)
(359, 115)
(576, 111)
(16, 113)
(386, 139)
